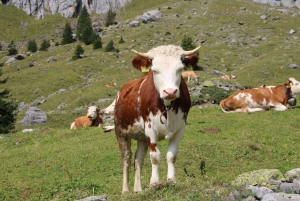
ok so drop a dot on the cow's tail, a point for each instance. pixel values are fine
(222, 106)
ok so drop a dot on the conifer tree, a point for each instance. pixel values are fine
(12, 49)
(110, 47)
(45, 45)
(32, 46)
(7, 109)
(67, 35)
(110, 18)
(84, 30)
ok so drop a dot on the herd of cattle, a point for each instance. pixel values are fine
(155, 107)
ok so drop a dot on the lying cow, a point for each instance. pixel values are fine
(227, 77)
(262, 98)
(152, 108)
(92, 118)
(190, 75)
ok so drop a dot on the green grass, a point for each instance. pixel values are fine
(60, 164)
(54, 163)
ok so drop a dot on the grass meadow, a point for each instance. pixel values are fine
(60, 164)
(55, 163)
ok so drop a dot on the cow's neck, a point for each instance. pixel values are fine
(169, 120)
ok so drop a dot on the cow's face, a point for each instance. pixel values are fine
(92, 112)
(295, 85)
(167, 64)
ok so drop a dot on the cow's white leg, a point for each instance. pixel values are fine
(280, 107)
(172, 153)
(140, 153)
(155, 159)
(189, 78)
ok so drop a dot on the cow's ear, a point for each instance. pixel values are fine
(141, 63)
(190, 61)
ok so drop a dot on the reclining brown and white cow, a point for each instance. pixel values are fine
(92, 118)
(262, 98)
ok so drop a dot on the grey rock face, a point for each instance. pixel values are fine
(67, 8)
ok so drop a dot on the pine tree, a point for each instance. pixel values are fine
(67, 35)
(78, 51)
(110, 18)
(110, 47)
(84, 30)
(32, 46)
(45, 45)
(7, 110)
(12, 49)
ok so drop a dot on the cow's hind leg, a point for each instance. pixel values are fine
(140, 153)
(126, 154)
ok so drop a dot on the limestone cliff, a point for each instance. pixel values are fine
(67, 8)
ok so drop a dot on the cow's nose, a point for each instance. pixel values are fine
(170, 93)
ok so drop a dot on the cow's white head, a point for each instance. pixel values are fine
(295, 85)
(167, 64)
(92, 111)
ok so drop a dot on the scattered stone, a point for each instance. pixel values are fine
(94, 198)
(293, 66)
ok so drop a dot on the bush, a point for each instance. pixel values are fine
(67, 35)
(110, 47)
(32, 46)
(121, 40)
(97, 44)
(78, 51)
(188, 44)
(45, 45)
(7, 110)
(12, 49)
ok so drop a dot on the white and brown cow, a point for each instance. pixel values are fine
(153, 108)
(262, 98)
(92, 118)
(190, 75)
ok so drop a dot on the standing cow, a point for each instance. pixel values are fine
(262, 98)
(153, 108)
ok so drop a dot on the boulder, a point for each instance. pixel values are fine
(33, 116)
(257, 176)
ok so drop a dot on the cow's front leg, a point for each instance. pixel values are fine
(155, 159)
(172, 154)
(138, 164)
